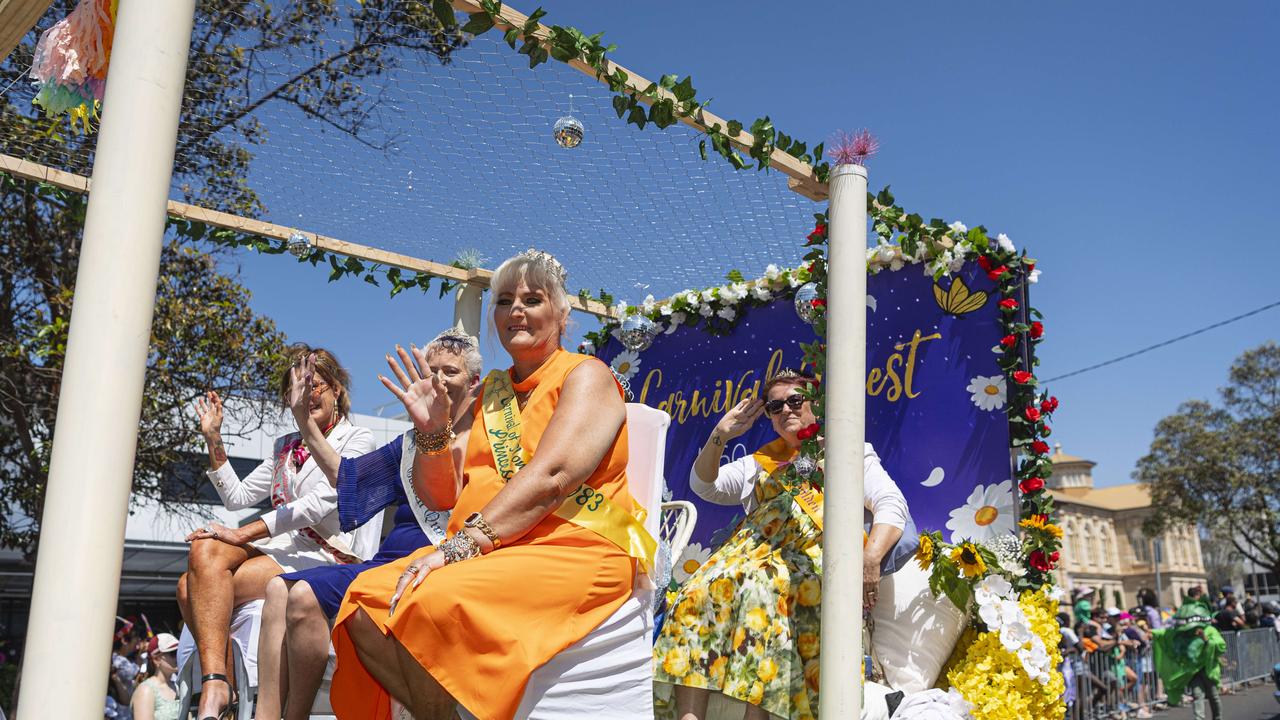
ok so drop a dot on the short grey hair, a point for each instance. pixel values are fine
(458, 342)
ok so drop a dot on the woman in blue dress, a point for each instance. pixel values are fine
(293, 645)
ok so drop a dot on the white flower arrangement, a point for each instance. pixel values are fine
(999, 609)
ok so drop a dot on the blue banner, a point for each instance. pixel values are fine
(935, 396)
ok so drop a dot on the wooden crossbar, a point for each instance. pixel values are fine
(802, 180)
(477, 276)
(17, 17)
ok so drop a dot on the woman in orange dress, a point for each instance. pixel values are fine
(532, 565)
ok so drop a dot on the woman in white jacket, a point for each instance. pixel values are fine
(231, 566)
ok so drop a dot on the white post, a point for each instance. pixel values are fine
(846, 399)
(77, 579)
(467, 301)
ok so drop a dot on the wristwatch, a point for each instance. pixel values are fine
(474, 520)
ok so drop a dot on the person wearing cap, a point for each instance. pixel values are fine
(154, 698)
(1083, 608)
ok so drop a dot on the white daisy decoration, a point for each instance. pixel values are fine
(989, 512)
(762, 293)
(771, 272)
(626, 364)
(691, 559)
(987, 392)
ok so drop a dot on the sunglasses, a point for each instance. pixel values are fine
(795, 402)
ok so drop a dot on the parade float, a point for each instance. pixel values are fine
(726, 253)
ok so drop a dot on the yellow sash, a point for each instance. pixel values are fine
(771, 457)
(585, 507)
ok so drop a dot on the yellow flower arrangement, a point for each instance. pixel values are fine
(924, 555)
(995, 681)
(969, 560)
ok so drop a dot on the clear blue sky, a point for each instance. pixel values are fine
(1131, 147)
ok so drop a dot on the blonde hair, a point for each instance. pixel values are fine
(538, 270)
(329, 369)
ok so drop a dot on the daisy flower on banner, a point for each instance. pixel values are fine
(987, 392)
(989, 511)
(691, 559)
(626, 364)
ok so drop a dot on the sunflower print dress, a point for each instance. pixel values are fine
(745, 624)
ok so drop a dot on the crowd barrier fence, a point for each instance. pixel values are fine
(1103, 687)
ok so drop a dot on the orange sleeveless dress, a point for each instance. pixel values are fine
(482, 626)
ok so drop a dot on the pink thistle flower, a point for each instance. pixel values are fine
(853, 148)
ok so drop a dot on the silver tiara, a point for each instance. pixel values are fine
(548, 262)
(457, 335)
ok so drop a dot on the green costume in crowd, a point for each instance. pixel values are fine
(1190, 645)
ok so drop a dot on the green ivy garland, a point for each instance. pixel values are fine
(568, 44)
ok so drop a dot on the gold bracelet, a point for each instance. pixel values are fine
(474, 520)
(435, 443)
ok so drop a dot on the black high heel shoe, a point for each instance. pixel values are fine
(228, 712)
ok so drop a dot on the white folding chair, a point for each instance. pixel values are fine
(678, 520)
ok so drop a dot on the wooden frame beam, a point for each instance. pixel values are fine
(17, 17)
(800, 174)
(478, 276)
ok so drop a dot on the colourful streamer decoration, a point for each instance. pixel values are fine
(71, 59)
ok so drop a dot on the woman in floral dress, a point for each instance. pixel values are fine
(743, 630)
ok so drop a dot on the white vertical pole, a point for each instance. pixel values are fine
(467, 301)
(845, 404)
(77, 579)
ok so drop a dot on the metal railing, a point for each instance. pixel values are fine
(1250, 655)
(1102, 686)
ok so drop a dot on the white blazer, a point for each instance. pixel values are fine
(313, 502)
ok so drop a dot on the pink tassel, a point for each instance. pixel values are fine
(76, 47)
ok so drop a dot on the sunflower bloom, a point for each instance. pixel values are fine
(925, 554)
(968, 560)
(1035, 522)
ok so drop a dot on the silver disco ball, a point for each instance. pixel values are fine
(805, 296)
(637, 332)
(299, 245)
(568, 132)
